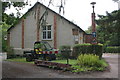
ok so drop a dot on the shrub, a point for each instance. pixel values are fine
(113, 49)
(104, 48)
(10, 52)
(89, 60)
(59, 56)
(10, 56)
(64, 47)
(87, 49)
(65, 52)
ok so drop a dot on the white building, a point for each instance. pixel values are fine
(58, 31)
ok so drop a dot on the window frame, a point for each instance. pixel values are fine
(47, 31)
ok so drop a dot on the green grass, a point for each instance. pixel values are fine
(78, 68)
(19, 60)
(72, 62)
(104, 63)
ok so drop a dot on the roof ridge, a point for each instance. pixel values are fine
(48, 9)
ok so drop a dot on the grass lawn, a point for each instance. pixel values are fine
(19, 60)
(71, 61)
(79, 68)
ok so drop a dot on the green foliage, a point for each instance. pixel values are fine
(89, 31)
(89, 62)
(112, 49)
(10, 52)
(60, 56)
(19, 59)
(11, 56)
(64, 47)
(15, 4)
(9, 19)
(65, 52)
(108, 30)
(4, 27)
(71, 61)
(87, 49)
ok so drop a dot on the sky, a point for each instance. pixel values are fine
(77, 11)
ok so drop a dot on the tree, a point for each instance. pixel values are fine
(4, 27)
(109, 27)
(8, 20)
(16, 5)
(89, 31)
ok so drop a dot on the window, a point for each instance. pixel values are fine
(76, 39)
(75, 34)
(47, 32)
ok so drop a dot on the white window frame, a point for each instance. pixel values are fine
(47, 32)
(76, 37)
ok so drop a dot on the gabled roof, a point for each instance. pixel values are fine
(38, 3)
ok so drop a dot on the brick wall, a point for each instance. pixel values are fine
(88, 38)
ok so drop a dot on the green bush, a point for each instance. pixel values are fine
(10, 52)
(89, 60)
(60, 56)
(4, 44)
(104, 48)
(112, 49)
(66, 47)
(10, 56)
(87, 49)
(65, 52)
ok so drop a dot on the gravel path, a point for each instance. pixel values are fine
(27, 70)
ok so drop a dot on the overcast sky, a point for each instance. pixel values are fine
(79, 11)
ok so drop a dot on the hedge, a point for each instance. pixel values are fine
(65, 52)
(88, 49)
(112, 49)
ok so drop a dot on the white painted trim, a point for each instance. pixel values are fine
(47, 34)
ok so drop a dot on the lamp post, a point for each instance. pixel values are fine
(94, 40)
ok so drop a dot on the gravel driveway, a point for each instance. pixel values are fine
(27, 70)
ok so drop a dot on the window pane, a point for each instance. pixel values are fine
(76, 38)
(44, 35)
(49, 34)
(49, 27)
(44, 27)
